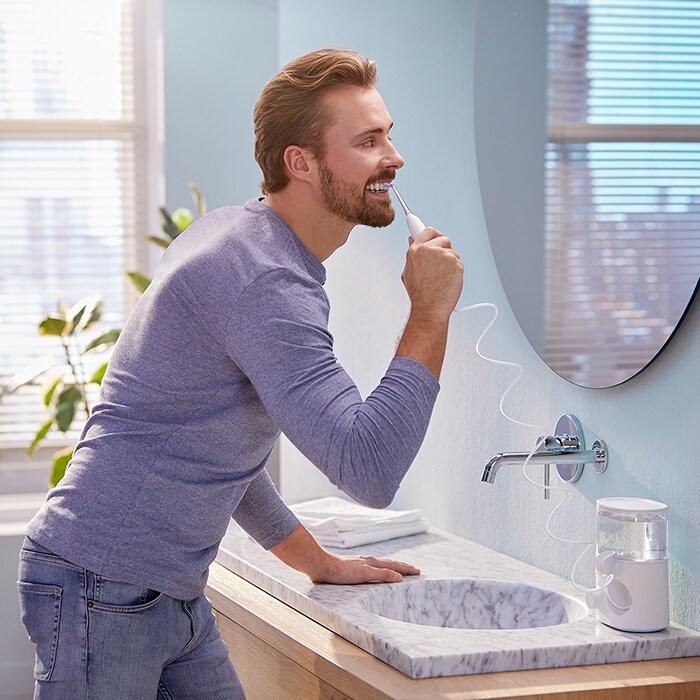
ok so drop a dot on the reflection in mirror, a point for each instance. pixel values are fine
(587, 121)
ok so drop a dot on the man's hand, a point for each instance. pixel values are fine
(302, 552)
(433, 279)
(362, 570)
(433, 275)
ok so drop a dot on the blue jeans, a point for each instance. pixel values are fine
(98, 639)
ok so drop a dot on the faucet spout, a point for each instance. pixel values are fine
(598, 455)
(492, 467)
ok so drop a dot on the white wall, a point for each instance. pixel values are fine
(16, 652)
(425, 56)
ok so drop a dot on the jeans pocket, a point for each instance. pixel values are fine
(40, 606)
(120, 597)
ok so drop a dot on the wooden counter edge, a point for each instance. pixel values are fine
(357, 673)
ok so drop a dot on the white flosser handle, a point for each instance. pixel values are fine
(415, 225)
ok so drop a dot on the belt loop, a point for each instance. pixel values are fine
(91, 585)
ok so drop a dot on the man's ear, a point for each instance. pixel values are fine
(300, 163)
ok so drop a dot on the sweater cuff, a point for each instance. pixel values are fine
(418, 370)
(263, 514)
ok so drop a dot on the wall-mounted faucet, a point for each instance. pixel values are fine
(565, 449)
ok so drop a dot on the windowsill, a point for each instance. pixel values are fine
(52, 444)
(17, 510)
(24, 476)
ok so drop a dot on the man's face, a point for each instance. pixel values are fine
(359, 155)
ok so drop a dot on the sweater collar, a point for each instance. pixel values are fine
(314, 267)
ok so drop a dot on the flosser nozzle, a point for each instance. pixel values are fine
(415, 225)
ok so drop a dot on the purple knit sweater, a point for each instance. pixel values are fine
(228, 346)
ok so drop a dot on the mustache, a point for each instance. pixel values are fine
(385, 176)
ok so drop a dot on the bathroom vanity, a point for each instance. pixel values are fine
(291, 639)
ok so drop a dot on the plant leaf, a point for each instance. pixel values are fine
(39, 437)
(159, 240)
(74, 320)
(95, 313)
(60, 463)
(108, 338)
(183, 218)
(168, 225)
(48, 394)
(28, 374)
(84, 313)
(53, 325)
(198, 199)
(66, 405)
(139, 281)
(99, 374)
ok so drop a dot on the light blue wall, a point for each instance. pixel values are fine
(425, 56)
(510, 72)
(217, 56)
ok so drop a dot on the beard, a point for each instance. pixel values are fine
(342, 199)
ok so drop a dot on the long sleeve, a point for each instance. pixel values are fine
(261, 497)
(278, 336)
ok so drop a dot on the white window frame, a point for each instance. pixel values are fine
(147, 130)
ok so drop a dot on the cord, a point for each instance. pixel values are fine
(548, 527)
(515, 365)
(540, 441)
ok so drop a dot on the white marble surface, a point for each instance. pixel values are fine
(365, 614)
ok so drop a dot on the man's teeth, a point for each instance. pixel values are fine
(377, 187)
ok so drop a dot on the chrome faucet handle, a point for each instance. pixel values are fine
(562, 443)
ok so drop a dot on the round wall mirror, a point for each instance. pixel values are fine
(588, 150)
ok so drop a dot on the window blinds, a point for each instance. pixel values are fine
(622, 182)
(72, 162)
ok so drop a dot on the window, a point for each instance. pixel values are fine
(79, 169)
(622, 181)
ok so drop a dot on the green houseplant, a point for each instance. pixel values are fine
(66, 394)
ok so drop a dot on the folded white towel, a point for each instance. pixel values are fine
(336, 522)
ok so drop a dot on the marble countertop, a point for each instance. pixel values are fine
(422, 651)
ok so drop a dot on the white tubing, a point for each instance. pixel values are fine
(566, 489)
(515, 365)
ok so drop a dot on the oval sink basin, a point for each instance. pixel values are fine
(472, 604)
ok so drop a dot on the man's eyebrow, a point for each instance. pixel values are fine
(377, 130)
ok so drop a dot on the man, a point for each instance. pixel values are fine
(229, 346)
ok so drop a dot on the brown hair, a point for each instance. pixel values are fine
(290, 110)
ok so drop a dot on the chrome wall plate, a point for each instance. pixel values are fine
(569, 425)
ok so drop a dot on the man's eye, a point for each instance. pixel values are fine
(368, 142)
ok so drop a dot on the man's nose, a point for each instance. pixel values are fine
(394, 158)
